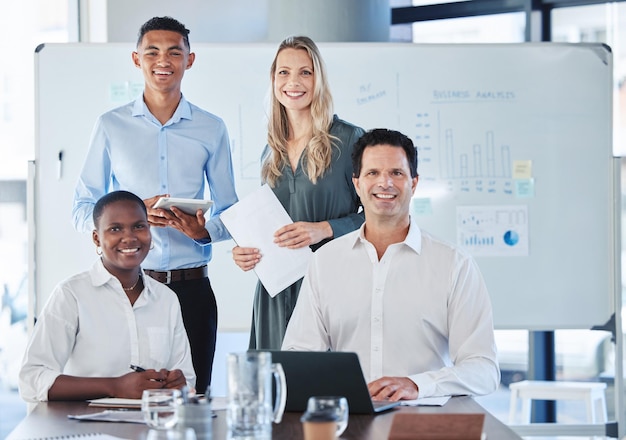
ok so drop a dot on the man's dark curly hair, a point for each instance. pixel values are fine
(164, 24)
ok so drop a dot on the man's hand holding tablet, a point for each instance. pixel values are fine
(188, 206)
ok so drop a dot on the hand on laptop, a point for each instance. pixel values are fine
(393, 388)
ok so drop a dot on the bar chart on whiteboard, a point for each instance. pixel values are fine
(471, 161)
(462, 158)
(493, 231)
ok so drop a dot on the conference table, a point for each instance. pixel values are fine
(49, 420)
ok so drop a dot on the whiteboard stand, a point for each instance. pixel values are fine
(618, 329)
(31, 204)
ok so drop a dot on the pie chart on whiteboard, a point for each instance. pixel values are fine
(511, 238)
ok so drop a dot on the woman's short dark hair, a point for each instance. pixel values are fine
(112, 197)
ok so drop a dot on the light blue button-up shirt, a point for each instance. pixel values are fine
(131, 150)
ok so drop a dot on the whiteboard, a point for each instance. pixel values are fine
(520, 132)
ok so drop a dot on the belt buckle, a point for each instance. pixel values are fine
(168, 276)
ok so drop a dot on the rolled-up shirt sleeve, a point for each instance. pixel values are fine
(219, 174)
(49, 348)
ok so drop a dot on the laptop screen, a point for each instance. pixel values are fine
(326, 373)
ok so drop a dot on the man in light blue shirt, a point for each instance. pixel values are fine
(162, 145)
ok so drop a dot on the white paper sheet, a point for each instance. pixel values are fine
(252, 222)
(426, 401)
(121, 416)
(115, 402)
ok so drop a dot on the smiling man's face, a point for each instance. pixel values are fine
(385, 185)
(163, 58)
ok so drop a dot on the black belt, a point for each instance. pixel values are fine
(172, 276)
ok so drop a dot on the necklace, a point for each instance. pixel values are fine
(128, 289)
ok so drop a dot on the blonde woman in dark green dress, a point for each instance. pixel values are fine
(307, 163)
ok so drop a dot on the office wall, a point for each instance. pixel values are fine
(235, 21)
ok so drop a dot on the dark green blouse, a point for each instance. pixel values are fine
(331, 198)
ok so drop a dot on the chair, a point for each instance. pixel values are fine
(592, 393)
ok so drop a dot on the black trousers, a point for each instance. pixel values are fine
(199, 309)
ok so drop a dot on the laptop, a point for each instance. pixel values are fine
(326, 373)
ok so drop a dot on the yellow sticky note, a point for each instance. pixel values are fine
(522, 169)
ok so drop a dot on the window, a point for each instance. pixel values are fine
(23, 25)
(604, 23)
(499, 28)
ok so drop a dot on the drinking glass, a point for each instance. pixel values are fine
(335, 405)
(160, 407)
(251, 408)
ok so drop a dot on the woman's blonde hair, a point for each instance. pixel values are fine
(319, 148)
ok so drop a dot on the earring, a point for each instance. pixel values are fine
(151, 245)
(98, 250)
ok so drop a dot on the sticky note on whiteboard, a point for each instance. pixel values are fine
(421, 206)
(118, 92)
(525, 188)
(522, 169)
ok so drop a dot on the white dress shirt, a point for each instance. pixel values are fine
(422, 311)
(88, 328)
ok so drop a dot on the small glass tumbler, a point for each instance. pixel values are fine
(160, 407)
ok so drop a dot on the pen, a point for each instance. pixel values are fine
(138, 369)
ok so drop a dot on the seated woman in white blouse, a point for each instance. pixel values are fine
(98, 323)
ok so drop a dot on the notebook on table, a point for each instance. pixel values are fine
(326, 373)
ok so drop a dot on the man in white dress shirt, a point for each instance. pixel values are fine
(414, 308)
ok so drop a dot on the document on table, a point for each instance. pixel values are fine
(426, 401)
(89, 436)
(252, 222)
(115, 402)
(119, 415)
